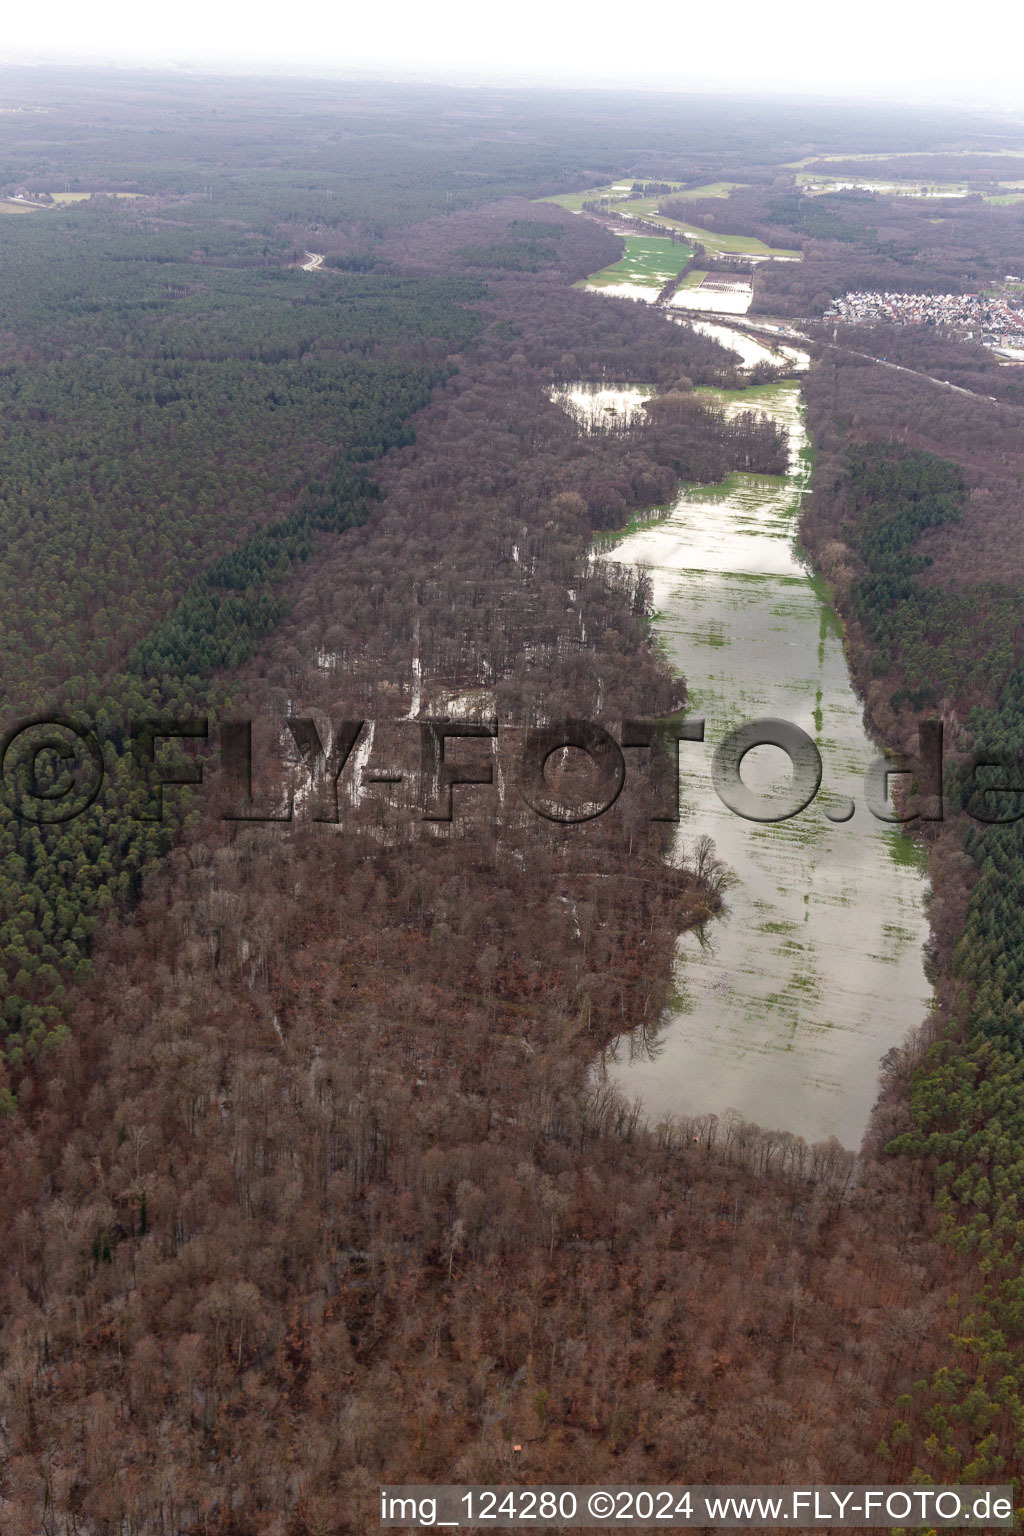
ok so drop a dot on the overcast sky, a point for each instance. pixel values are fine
(874, 48)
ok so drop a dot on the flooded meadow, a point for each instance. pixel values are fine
(783, 1007)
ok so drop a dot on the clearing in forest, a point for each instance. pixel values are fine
(647, 260)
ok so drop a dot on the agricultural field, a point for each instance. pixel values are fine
(647, 207)
(898, 154)
(729, 245)
(83, 197)
(648, 261)
(644, 207)
(815, 184)
(1010, 192)
(345, 1150)
(716, 189)
(614, 192)
(63, 199)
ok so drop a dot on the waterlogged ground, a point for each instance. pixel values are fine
(601, 405)
(647, 264)
(817, 969)
(752, 349)
(721, 301)
(616, 198)
(816, 185)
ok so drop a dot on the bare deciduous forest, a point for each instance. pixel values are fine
(307, 1179)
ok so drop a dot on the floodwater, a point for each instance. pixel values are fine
(785, 1006)
(602, 405)
(751, 349)
(645, 292)
(893, 188)
(722, 301)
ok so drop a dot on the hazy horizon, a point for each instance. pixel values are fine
(885, 53)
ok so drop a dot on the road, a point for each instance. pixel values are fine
(939, 383)
(791, 333)
(313, 264)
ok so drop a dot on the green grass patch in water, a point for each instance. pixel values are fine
(904, 850)
(646, 260)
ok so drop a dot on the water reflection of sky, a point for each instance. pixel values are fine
(817, 969)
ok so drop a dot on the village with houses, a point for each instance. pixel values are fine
(992, 319)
